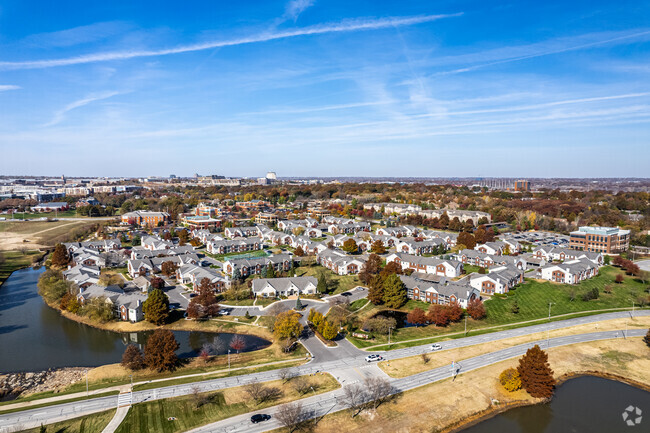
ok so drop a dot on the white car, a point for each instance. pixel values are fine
(371, 358)
(435, 347)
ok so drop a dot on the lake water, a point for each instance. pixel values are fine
(35, 337)
(583, 405)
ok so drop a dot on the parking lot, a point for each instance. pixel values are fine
(539, 239)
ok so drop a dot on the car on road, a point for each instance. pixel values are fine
(373, 358)
(259, 417)
(436, 346)
(224, 312)
(346, 294)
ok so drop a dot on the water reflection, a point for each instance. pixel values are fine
(35, 337)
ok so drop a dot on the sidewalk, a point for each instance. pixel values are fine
(127, 387)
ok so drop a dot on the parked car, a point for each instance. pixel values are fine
(372, 358)
(259, 417)
(436, 346)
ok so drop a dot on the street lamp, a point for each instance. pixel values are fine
(86, 382)
(389, 328)
(548, 327)
(228, 359)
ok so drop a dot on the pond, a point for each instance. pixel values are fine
(585, 404)
(35, 337)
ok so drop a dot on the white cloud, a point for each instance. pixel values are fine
(60, 115)
(4, 87)
(342, 26)
(294, 8)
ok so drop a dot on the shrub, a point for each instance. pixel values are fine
(510, 379)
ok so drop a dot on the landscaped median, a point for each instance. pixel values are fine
(87, 424)
(183, 413)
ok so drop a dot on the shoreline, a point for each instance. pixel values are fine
(493, 411)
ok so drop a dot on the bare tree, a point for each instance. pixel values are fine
(286, 374)
(269, 393)
(354, 397)
(378, 391)
(425, 358)
(254, 390)
(292, 416)
(198, 398)
(301, 385)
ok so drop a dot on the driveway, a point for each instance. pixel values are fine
(644, 265)
(177, 296)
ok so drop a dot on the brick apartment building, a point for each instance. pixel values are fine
(606, 240)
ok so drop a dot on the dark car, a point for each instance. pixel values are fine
(346, 294)
(259, 417)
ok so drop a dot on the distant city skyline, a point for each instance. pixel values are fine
(317, 88)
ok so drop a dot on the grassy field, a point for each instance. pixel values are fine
(532, 298)
(94, 423)
(14, 260)
(154, 416)
(246, 254)
(36, 234)
(341, 283)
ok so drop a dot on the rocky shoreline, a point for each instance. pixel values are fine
(14, 385)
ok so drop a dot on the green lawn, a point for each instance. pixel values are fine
(470, 268)
(341, 283)
(532, 297)
(14, 260)
(245, 254)
(94, 423)
(181, 414)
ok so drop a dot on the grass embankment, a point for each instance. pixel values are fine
(87, 424)
(532, 298)
(154, 415)
(14, 260)
(243, 254)
(415, 364)
(453, 403)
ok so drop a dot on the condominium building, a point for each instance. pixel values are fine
(607, 240)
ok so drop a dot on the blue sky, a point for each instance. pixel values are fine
(325, 88)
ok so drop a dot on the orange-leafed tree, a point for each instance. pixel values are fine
(536, 374)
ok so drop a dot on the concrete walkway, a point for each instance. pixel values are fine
(117, 419)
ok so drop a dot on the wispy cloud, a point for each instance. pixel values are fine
(5, 87)
(514, 54)
(294, 8)
(342, 26)
(77, 35)
(60, 115)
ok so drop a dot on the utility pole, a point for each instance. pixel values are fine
(228, 359)
(389, 328)
(465, 325)
(86, 382)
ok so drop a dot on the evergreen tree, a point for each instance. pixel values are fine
(376, 290)
(321, 287)
(270, 272)
(394, 292)
(156, 307)
(60, 256)
(298, 304)
(236, 275)
(536, 374)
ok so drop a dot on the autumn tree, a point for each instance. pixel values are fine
(394, 292)
(378, 247)
(646, 339)
(350, 246)
(476, 309)
(132, 358)
(237, 343)
(370, 268)
(205, 304)
(455, 312)
(60, 257)
(329, 330)
(156, 307)
(438, 315)
(160, 351)
(536, 374)
(157, 283)
(376, 290)
(417, 317)
(299, 252)
(168, 268)
(510, 379)
(466, 239)
(619, 278)
(287, 325)
(391, 268)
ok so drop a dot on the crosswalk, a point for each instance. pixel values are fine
(125, 399)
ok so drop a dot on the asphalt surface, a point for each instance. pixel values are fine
(345, 362)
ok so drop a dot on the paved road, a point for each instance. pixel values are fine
(323, 404)
(644, 265)
(344, 365)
